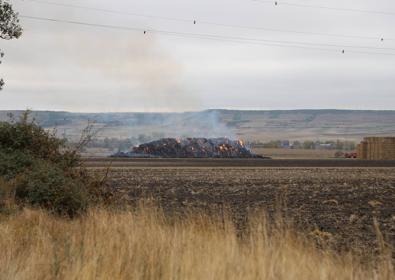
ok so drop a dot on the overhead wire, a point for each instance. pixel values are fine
(306, 45)
(184, 20)
(107, 10)
(299, 5)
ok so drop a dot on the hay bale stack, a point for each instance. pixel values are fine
(363, 150)
(377, 148)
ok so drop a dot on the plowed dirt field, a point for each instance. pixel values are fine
(338, 204)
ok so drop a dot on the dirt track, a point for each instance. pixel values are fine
(119, 162)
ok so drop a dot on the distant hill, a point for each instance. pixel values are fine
(247, 125)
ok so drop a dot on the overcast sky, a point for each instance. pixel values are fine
(59, 66)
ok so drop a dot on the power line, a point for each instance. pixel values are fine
(211, 35)
(281, 3)
(306, 45)
(378, 38)
(108, 11)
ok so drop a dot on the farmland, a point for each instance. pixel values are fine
(279, 153)
(340, 204)
(191, 218)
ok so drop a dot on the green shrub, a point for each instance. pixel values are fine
(43, 170)
(28, 137)
(3, 194)
(47, 186)
(7, 195)
(12, 164)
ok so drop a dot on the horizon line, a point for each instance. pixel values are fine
(197, 111)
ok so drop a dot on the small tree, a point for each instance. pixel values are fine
(308, 145)
(9, 27)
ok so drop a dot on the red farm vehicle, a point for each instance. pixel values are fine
(351, 155)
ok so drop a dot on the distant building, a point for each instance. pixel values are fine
(377, 148)
(324, 146)
(285, 144)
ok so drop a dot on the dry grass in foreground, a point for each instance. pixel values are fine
(142, 244)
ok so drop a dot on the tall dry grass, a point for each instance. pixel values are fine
(143, 244)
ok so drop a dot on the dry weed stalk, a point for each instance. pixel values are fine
(145, 244)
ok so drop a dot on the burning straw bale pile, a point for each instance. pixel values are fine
(191, 148)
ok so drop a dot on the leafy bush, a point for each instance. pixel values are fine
(14, 163)
(7, 195)
(3, 194)
(47, 186)
(28, 137)
(43, 170)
